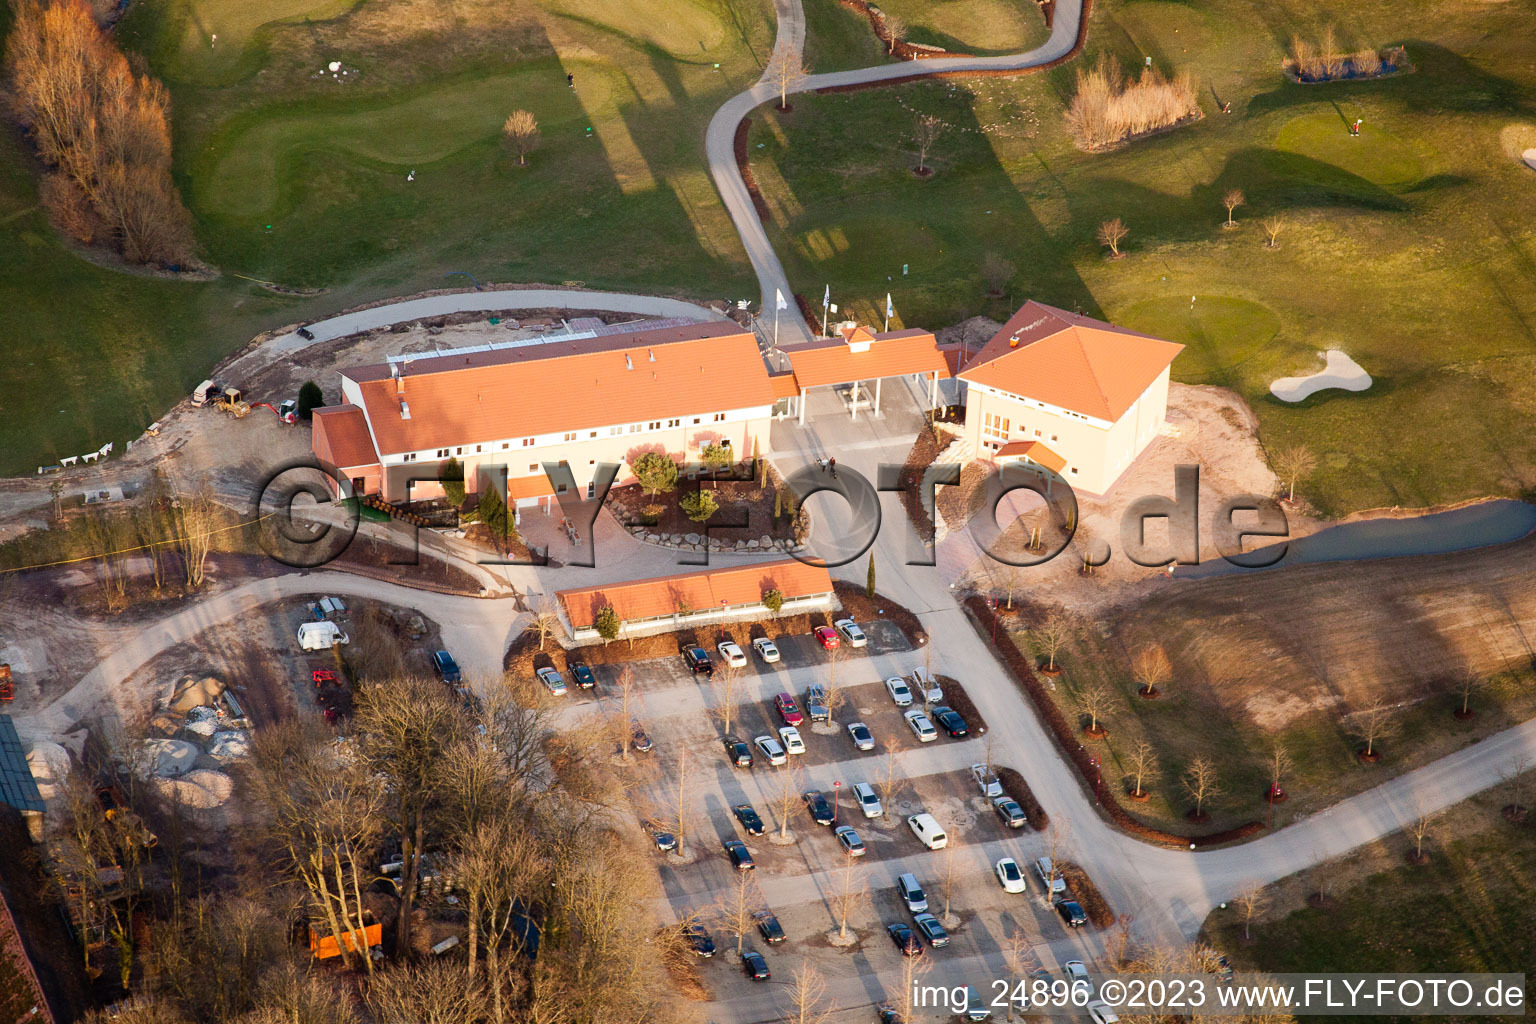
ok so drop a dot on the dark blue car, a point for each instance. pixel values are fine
(446, 667)
(583, 673)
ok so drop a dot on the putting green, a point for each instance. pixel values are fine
(1180, 31)
(1226, 337)
(235, 22)
(683, 28)
(1375, 154)
(428, 126)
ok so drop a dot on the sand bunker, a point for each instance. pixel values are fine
(1340, 372)
(1529, 156)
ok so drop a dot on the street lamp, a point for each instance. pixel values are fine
(835, 787)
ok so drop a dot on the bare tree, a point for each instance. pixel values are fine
(807, 996)
(1144, 766)
(1419, 828)
(996, 272)
(1151, 669)
(888, 784)
(895, 32)
(949, 879)
(1272, 228)
(680, 807)
(784, 796)
(850, 890)
(1514, 779)
(499, 869)
(1201, 782)
(1252, 900)
(437, 991)
(1279, 765)
(785, 72)
(1020, 959)
(1096, 700)
(195, 519)
(836, 698)
(1112, 233)
(1291, 464)
(1372, 724)
(626, 683)
(1051, 636)
(1232, 200)
(926, 131)
(738, 904)
(1466, 683)
(913, 968)
(726, 685)
(521, 132)
(546, 619)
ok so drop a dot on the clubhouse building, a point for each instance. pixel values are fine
(1069, 396)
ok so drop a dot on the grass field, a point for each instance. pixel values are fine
(299, 178)
(972, 26)
(1467, 910)
(1407, 247)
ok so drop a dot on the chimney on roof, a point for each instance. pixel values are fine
(405, 409)
(629, 364)
(651, 353)
(394, 371)
(1013, 342)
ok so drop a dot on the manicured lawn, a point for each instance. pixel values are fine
(298, 178)
(972, 26)
(1408, 246)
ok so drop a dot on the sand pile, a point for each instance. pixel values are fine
(229, 744)
(49, 763)
(201, 790)
(168, 758)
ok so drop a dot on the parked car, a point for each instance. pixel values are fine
(741, 857)
(912, 893)
(921, 727)
(899, 691)
(975, 1006)
(770, 748)
(1077, 977)
(986, 780)
(665, 841)
(552, 681)
(816, 703)
(1071, 912)
(905, 939)
(868, 800)
(925, 684)
(730, 653)
(885, 1013)
(862, 738)
(697, 660)
(851, 632)
(583, 674)
(1045, 870)
(766, 649)
(1009, 810)
(305, 333)
(929, 927)
(827, 637)
(1101, 1012)
(790, 737)
(853, 846)
(818, 808)
(642, 739)
(784, 703)
(754, 966)
(750, 822)
(768, 927)
(699, 940)
(928, 830)
(737, 752)
(1009, 875)
(446, 667)
(951, 722)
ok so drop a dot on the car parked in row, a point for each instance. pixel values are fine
(768, 927)
(1009, 810)
(926, 685)
(754, 966)
(987, 780)
(929, 927)
(827, 637)
(771, 749)
(737, 752)
(1010, 876)
(767, 650)
(869, 801)
(730, 653)
(699, 940)
(912, 893)
(905, 939)
(817, 807)
(1077, 977)
(640, 739)
(928, 830)
(851, 632)
(788, 710)
(862, 738)
(816, 703)
(696, 659)
(1050, 878)
(921, 726)
(949, 719)
(751, 823)
(900, 692)
(582, 673)
(1072, 913)
(852, 845)
(552, 681)
(741, 857)
(447, 668)
(790, 737)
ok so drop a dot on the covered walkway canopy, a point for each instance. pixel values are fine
(859, 355)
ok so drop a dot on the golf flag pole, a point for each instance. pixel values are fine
(888, 311)
(826, 303)
(779, 303)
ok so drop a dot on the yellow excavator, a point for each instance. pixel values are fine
(232, 401)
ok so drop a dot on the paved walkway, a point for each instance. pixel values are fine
(719, 143)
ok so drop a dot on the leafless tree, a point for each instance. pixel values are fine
(850, 890)
(895, 32)
(437, 991)
(195, 520)
(949, 878)
(1201, 782)
(1419, 828)
(499, 869)
(1144, 765)
(626, 684)
(1279, 765)
(1372, 724)
(1293, 463)
(785, 72)
(836, 698)
(996, 272)
(1514, 779)
(1252, 900)
(1112, 233)
(1150, 669)
(107, 540)
(784, 795)
(1468, 681)
(292, 996)
(807, 996)
(546, 619)
(1123, 923)
(680, 802)
(888, 784)
(738, 904)
(726, 685)
(521, 132)
(1272, 228)
(1020, 959)
(1232, 200)
(913, 968)
(1096, 700)
(926, 131)
(1051, 636)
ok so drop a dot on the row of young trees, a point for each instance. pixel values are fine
(102, 132)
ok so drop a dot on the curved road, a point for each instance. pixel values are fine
(719, 142)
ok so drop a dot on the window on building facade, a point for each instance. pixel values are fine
(477, 449)
(719, 417)
(674, 423)
(613, 431)
(696, 420)
(571, 436)
(505, 445)
(533, 467)
(655, 425)
(408, 457)
(635, 428)
(459, 450)
(528, 442)
(593, 434)
(442, 453)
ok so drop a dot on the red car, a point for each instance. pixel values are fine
(827, 637)
(787, 709)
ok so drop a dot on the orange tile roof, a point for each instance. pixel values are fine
(559, 386)
(833, 361)
(784, 385)
(345, 433)
(529, 487)
(735, 585)
(1070, 361)
(1034, 451)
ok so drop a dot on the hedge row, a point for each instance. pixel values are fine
(1015, 786)
(1088, 896)
(1067, 738)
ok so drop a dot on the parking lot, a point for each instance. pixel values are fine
(800, 881)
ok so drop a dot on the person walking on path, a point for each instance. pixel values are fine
(570, 80)
(832, 465)
(1354, 129)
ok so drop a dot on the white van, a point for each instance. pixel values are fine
(321, 636)
(926, 827)
(912, 893)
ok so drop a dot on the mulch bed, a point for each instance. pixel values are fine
(1023, 673)
(746, 510)
(1087, 894)
(1015, 786)
(957, 699)
(743, 167)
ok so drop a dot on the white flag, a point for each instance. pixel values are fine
(826, 296)
(890, 310)
(779, 292)
(834, 307)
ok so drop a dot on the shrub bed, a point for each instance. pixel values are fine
(1024, 677)
(957, 699)
(1087, 895)
(1015, 786)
